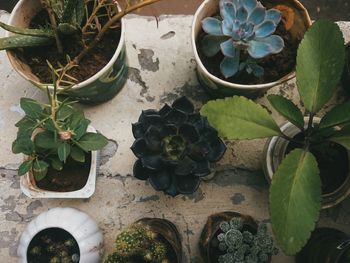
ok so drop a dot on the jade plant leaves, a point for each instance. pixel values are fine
(92, 142)
(320, 62)
(287, 109)
(240, 118)
(342, 137)
(295, 200)
(337, 116)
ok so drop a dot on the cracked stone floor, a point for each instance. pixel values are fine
(162, 68)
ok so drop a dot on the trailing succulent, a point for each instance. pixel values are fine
(138, 243)
(175, 147)
(242, 245)
(51, 133)
(295, 193)
(244, 27)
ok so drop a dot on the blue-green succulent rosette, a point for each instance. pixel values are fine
(243, 26)
(175, 147)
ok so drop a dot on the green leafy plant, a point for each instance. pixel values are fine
(87, 20)
(138, 243)
(295, 193)
(50, 133)
(241, 245)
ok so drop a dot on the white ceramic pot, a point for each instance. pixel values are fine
(103, 86)
(84, 230)
(30, 189)
(274, 152)
(221, 88)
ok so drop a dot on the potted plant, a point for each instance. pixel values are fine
(326, 245)
(60, 148)
(151, 240)
(175, 147)
(86, 34)
(246, 47)
(313, 160)
(233, 237)
(49, 238)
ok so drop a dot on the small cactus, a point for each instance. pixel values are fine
(138, 242)
(243, 246)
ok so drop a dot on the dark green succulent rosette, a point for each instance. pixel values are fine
(175, 147)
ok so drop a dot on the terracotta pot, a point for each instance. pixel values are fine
(103, 86)
(274, 152)
(326, 245)
(84, 230)
(30, 189)
(221, 88)
(168, 231)
(212, 229)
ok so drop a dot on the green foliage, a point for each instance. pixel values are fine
(320, 64)
(241, 245)
(295, 200)
(23, 41)
(240, 118)
(140, 243)
(295, 193)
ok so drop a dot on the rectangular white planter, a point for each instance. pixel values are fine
(29, 188)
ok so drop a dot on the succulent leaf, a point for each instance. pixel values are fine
(212, 26)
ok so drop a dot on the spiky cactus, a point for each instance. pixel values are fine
(241, 245)
(138, 242)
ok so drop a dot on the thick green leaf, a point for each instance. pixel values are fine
(295, 200)
(320, 62)
(92, 142)
(25, 127)
(31, 107)
(23, 145)
(56, 163)
(18, 41)
(77, 154)
(64, 112)
(81, 129)
(63, 151)
(240, 118)
(25, 167)
(75, 120)
(74, 12)
(40, 169)
(46, 140)
(287, 109)
(339, 115)
(342, 137)
(28, 31)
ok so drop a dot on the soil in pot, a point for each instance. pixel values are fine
(53, 245)
(333, 162)
(92, 63)
(72, 177)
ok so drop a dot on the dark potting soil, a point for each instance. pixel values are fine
(333, 163)
(72, 177)
(93, 62)
(276, 66)
(53, 242)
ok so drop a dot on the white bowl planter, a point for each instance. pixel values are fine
(103, 86)
(274, 152)
(30, 189)
(84, 230)
(221, 88)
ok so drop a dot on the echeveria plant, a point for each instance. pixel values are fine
(175, 147)
(138, 243)
(245, 26)
(51, 133)
(240, 245)
(295, 193)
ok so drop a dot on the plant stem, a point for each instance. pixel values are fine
(105, 28)
(286, 137)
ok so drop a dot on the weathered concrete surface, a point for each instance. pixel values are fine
(162, 69)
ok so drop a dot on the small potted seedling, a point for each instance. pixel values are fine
(87, 33)
(175, 147)
(49, 238)
(60, 148)
(326, 245)
(247, 47)
(231, 237)
(150, 240)
(307, 160)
